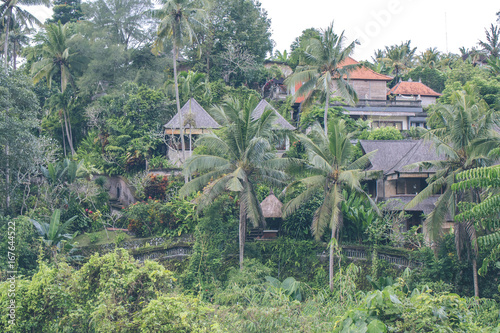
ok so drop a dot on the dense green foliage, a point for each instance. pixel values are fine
(84, 158)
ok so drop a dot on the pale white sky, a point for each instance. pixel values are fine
(377, 23)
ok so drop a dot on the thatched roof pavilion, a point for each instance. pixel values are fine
(272, 207)
(196, 120)
(280, 122)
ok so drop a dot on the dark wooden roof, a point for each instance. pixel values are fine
(399, 202)
(280, 121)
(201, 117)
(394, 155)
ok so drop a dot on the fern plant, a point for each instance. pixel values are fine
(485, 213)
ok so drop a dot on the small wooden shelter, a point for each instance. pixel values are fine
(272, 209)
(196, 121)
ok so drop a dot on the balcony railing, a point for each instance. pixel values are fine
(384, 103)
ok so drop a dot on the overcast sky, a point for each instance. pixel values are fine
(445, 24)
(377, 23)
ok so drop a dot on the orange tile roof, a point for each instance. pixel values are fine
(412, 88)
(364, 73)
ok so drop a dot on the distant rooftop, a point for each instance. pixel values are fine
(413, 89)
(201, 117)
(280, 121)
(364, 73)
(394, 155)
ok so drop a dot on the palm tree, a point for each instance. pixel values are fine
(236, 160)
(331, 171)
(430, 58)
(281, 56)
(54, 233)
(190, 84)
(323, 71)
(464, 136)
(8, 9)
(492, 44)
(399, 58)
(58, 61)
(178, 19)
(18, 38)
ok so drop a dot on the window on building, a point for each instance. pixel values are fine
(400, 186)
(397, 124)
(410, 185)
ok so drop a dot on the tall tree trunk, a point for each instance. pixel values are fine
(330, 268)
(325, 117)
(68, 135)
(63, 139)
(7, 179)
(190, 127)
(14, 55)
(242, 232)
(181, 121)
(474, 272)
(6, 45)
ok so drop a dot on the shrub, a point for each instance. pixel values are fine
(153, 217)
(385, 133)
(148, 218)
(156, 187)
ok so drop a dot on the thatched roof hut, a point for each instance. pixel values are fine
(271, 207)
(198, 118)
(394, 155)
(280, 122)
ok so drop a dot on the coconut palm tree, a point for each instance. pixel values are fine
(399, 58)
(464, 136)
(58, 61)
(430, 58)
(281, 56)
(492, 44)
(236, 160)
(322, 71)
(18, 37)
(178, 20)
(9, 8)
(331, 171)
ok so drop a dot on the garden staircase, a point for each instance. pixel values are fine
(116, 206)
(254, 234)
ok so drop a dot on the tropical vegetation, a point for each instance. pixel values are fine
(101, 232)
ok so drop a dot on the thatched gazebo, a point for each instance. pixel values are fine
(280, 124)
(196, 121)
(272, 209)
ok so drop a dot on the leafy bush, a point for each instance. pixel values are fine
(175, 314)
(385, 133)
(422, 311)
(159, 162)
(156, 187)
(153, 217)
(215, 247)
(148, 218)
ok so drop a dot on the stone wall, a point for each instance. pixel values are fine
(119, 189)
(140, 246)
